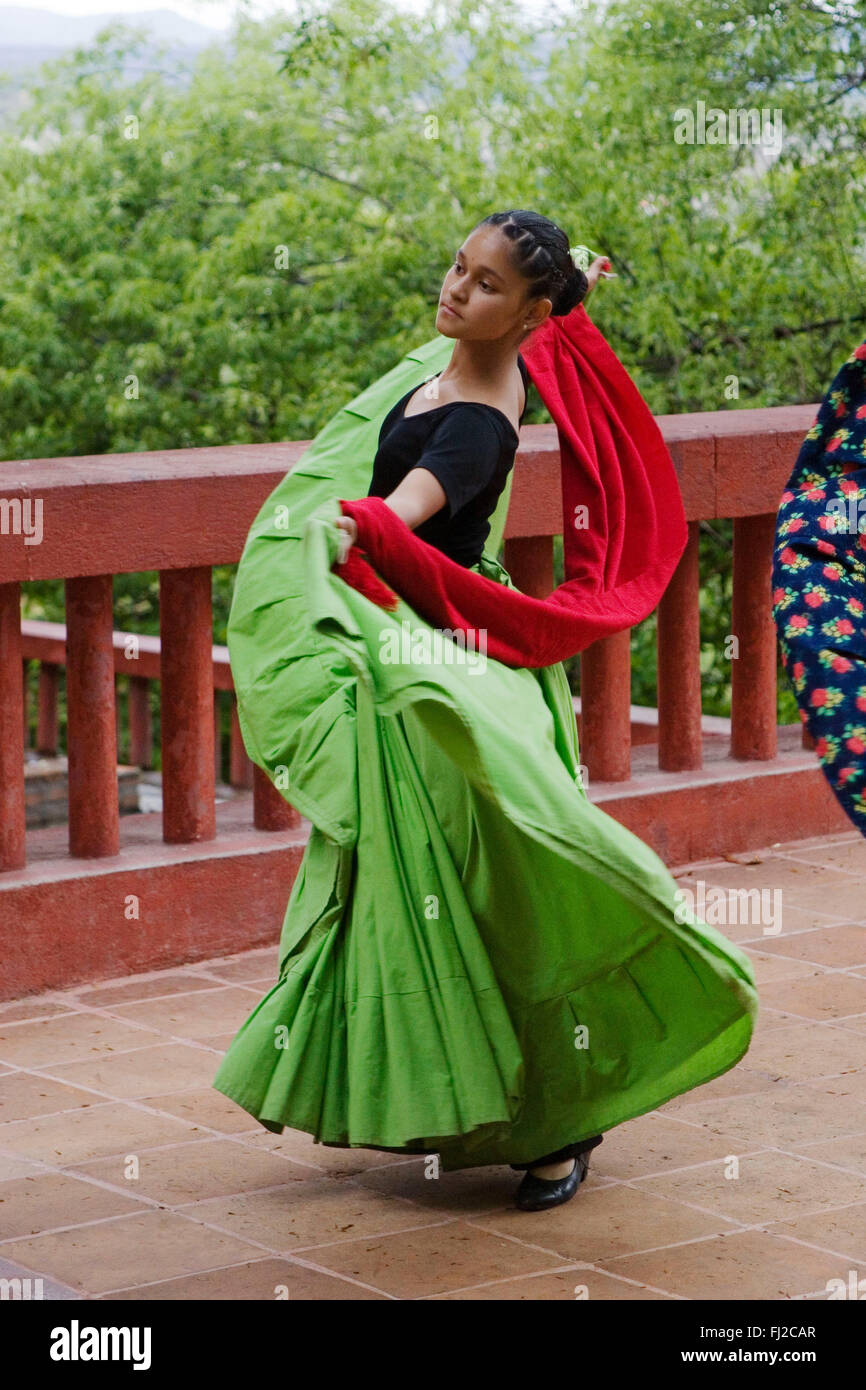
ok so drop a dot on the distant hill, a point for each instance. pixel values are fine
(29, 38)
(22, 28)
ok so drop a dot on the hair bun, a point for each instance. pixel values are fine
(573, 292)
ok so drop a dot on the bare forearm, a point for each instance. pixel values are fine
(419, 496)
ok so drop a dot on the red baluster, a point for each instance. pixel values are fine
(753, 667)
(46, 729)
(217, 741)
(240, 764)
(529, 561)
(186, 642)
(12, 799)
(605, 708)
(140, 724)
(678, 664)
(271, 811)
(91, 732)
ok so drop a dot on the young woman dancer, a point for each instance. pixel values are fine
(441, 467)
(475, 960)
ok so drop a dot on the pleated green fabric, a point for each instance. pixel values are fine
(475, 960)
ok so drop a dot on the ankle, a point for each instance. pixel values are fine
(552, 1171)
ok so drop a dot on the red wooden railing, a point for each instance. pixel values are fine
(136, 657)
(191, 509)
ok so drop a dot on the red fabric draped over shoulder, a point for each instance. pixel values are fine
(624, 525)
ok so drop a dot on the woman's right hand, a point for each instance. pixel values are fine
(349, 527)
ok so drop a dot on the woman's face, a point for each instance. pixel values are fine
(487, 293)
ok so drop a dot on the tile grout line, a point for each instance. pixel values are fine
(581, 1267)
(754, 1227)
(303, 1264)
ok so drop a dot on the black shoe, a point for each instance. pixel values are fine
(537, 1194)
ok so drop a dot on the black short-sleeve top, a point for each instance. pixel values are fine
(469, 447)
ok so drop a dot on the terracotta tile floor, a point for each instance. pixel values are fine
(124, 1175)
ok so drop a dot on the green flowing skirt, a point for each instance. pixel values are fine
(475, 960)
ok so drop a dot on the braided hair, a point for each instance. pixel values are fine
(540, 251)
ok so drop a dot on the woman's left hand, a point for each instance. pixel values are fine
(600, 269)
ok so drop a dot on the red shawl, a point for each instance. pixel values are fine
(618, 555)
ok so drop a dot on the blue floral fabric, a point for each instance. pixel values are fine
(819, 584)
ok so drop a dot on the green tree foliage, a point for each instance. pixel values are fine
(226, 254)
